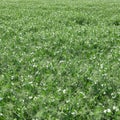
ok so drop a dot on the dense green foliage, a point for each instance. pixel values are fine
(59, 59)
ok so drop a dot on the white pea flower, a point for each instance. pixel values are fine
(1, 114)
(101, 66)
(73, 113)
(105, 111)
(12, 77)
(67, 101)
(64, 91)
(104, 93)
(30, 97)
(115, 108)
(1, 99)
(34, 65)
(59, 89)
(108, 110)
(30, 82)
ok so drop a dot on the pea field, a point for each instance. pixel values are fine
(59, 59)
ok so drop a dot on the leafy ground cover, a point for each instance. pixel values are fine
(59, 60)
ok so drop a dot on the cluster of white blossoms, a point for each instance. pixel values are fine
(107, 110)
(115, 108)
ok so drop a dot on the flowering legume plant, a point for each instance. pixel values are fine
(59, 59)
